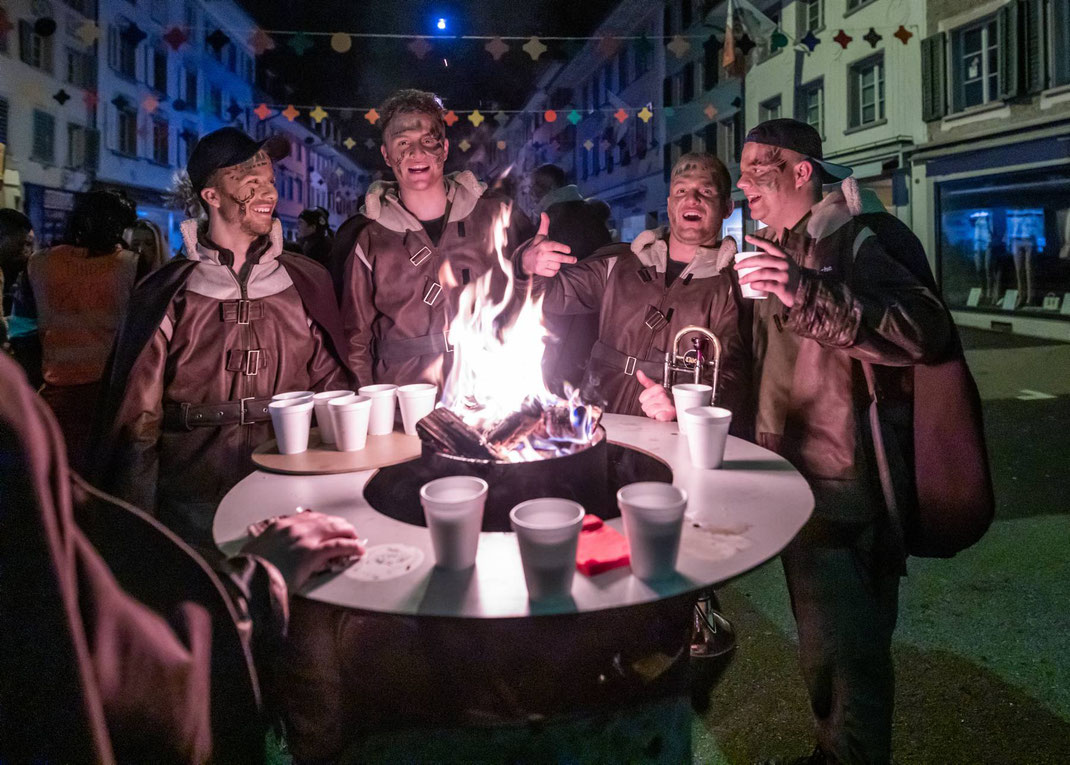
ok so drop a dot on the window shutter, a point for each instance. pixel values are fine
(92, 150)
(1034, 63)
(934, 77)
(1007, 31)
(1060, 11)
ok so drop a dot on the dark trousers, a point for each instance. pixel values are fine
(845, 598)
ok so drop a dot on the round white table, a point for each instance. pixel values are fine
(738, 517)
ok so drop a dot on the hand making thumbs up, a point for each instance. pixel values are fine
(655, 400)
(543, 256)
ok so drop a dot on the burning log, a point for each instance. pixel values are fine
(445, 432)
(516, 427)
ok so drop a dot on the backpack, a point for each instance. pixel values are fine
(950, 503)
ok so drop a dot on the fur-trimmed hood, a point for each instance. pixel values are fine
(383, 204)
(652, 249)
(837, 208)
(196, 251)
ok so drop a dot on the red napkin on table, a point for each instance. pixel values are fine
(600, 548)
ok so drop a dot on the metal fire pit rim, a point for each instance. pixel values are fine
(599, 437)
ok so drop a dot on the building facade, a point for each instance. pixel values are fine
(994, 176)
(49, 130)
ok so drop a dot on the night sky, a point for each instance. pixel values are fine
(372, 69)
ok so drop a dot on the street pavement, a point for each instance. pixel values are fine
(982, 646)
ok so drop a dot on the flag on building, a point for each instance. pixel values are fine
(731, 60)
(746, 27)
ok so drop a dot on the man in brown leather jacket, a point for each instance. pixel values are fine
(835, 298)
(644, 293)
(209, 339)
(401, 263)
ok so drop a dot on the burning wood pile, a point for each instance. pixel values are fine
(535, 431)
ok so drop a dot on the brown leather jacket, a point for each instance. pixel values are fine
(639, 317)
(398, 289)
(854, 302)
(202, 353)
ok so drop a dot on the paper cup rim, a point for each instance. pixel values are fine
(748, 254)
(416, 389)
(292, 394)
(377, 390)
(329, 395)
(357, 402)
(702, 414)
(425, 495)
(693, 388)
(648, 485)
(544, 526)
(291, 405)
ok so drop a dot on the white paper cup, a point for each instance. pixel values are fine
(688, 396)
(323, 414)
(653, 515)
(748, 290)
(383, 399)
(294, 395)
(291, 420)
(547, 531)
(349, 418)
(416, 402)
(453, 509)
(707, 434)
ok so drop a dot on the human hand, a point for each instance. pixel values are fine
(543, 256)
(777, 273)
(655, 400)
(301, 545)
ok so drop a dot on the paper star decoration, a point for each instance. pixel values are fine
(369, 143)
(341, 42)
(120, 102)
(903, 34)
(679, 46)
(464, 145)
(501, 145)
(234, 110)
(534, 48)
(620, 115)
(175, 37)
(550, 115)
(61, 96)
(450, 118)
(317, 114)
(290, 113)
(372, 116)
(496, 48)
(133, 34)
(300, 43)
(737, 102)
(150, 103)
(777, 41)
(44, 27)
(811, 40)
(872, 37)
(476, 118)
(588, 145)
(842, 39)
(261, 42)
(574, 117)
(218, 40)
(88, 32)
(710, 111)
(419, 47)
(745, 44)
(262, 111)
(349, 143)
(645, 114)
(339, 172)
(91, 99)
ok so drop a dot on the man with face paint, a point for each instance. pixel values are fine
(835, 297)
(645, 292)
(209, 338)
(401, 263)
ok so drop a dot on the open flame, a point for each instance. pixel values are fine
(498, 339)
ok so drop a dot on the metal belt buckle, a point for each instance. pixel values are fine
(241, 411)
(630, 364)
(432, 293)
(244, 307)
(252, 362)
(421, 255)
(655, 320)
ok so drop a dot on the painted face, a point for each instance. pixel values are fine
(696, 207)
(766, 178)
(416, 148)
(247, 194)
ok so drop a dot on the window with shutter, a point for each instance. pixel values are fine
(92, 150)
(933, 70)
(1060, 42)
(3, 120)
(44, 137)
(1007, 23)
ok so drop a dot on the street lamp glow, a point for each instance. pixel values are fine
(441, 24)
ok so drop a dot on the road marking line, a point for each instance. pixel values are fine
(1033, 395)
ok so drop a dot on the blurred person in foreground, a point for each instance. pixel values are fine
(120, 643)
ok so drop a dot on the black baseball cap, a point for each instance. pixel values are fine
(227, 147)
(801, 138)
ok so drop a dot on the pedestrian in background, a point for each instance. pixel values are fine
(314, 235)
(148, 242)
(16, 246)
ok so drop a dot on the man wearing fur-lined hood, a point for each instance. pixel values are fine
(208, 339)
(667, 279)
(400, 265)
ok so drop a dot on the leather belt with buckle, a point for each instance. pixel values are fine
(241, 311)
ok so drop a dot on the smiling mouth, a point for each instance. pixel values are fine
(262, 209)
(419, 169)
(753, 200)
(692, 216)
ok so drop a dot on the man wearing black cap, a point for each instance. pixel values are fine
(835, 298)
(209, 339)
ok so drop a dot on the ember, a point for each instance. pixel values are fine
(495, 404)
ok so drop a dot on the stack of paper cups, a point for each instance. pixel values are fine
(323, 414)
